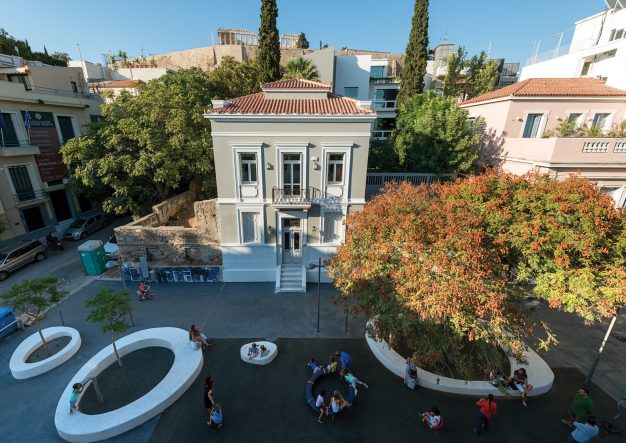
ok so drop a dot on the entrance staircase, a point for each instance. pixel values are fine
(290, 278)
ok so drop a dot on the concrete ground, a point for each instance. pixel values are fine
(263, 403)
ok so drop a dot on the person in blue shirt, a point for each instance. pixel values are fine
(215, 421)
(584, 432)
(345, 361)
(314, 365)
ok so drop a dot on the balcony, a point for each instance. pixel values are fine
(381, 135)
(385, 105)
(569, 153)
(29, 196)
(384, 80)
(294, 197)
(14, 148)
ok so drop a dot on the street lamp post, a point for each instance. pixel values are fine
(597, 359)
(319, 267)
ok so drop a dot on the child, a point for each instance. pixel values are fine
(77, 388)
(215, 422)
(314, 365)
(320, 404)
(264, 351)
(253, 351)
(332, 366)
(353, 381)
(432, 419)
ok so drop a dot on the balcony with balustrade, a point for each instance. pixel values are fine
(10, 147)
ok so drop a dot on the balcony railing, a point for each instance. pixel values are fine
(292, 196)
(375, 181)
(13, 143)
(387, 105)
(59, 92)
(381, 135)
(33, 194)
(379, 80)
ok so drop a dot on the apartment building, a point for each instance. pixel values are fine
(523, 121)
(291, 164)
(596, 48)
(41, 107)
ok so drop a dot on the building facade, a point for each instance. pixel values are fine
(42, 107)
(595, 49)
(291, 164)
(523, 120)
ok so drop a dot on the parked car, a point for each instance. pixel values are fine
(111, 249)
(20, 254)
(82, 227)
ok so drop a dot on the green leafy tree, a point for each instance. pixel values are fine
(434, 265)
(456, 63)
(382, 156)
(269, 44)
(414, 70)
(485, 80)
(302, 42)
(33, 297)
(63, 56)
(147, 147)
(111, 309)
(435, 135)
(301, 67)
(234, 79)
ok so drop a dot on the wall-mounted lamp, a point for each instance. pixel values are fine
(268, 166)
(314, 230)
(560, 119)
(41, 102)
(519, 119)
(269, 230)
(316, 166)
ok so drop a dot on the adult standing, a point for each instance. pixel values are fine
(345, 361)
(580, 408)
(410, 373)
(209, 400)
(488, 409)
(584, 432)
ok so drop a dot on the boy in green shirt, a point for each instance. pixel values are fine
(580, 408)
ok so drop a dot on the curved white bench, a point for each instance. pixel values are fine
(243, 352)
(21, 370)
(79, 427)
(539, 373)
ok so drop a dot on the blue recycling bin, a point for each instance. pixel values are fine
(7, 316)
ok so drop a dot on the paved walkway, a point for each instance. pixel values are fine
(270, 398)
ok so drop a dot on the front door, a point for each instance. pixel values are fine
(292, 241)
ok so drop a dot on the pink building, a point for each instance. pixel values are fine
(521, 120)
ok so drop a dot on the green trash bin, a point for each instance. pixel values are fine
(93, 257)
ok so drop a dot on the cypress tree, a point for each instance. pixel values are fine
(269, 45)
(412, 76)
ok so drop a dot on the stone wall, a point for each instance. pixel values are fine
(173, 245)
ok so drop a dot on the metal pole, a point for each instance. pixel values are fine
(319, 277)
(597, 359)
(346, 326)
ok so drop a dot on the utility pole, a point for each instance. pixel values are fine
(80, 55)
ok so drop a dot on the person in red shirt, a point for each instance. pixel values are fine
(488, 409)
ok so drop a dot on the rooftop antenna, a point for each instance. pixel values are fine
(80, 55)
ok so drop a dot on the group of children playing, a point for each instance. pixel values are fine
(340, 363)
(255, 351)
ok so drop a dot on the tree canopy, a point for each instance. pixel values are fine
(12, 46)
(435, 135)
(435, 264)
(269, 43)
(469, 78)
(301, 67)
(414, 70)
(302, 42)
(149, 146)
(235, 79)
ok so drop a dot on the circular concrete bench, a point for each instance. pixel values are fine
(79, 427)
(308, 393)
(21, 370)
(258, 360)
(539, 373)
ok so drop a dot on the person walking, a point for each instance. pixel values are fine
(584, 432)
(215, 422)
(209, 400)
(580, 408)
(320, 403)
(488, 409)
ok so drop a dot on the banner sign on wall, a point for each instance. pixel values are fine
(43, 133)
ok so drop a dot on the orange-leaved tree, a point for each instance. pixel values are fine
(436, 265)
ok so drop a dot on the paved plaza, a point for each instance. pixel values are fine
(268, 403)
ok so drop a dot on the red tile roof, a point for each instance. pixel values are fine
(296, 83)
(118, 84)
(552, 87)
(260, 104)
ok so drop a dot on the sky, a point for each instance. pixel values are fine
(158, 26)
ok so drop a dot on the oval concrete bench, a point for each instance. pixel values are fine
(308, 391)
(539, 373)
(21, 370)
(79, 427)
(243, 353)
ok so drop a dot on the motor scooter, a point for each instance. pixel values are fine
(53, 242)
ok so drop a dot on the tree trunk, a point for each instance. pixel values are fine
(119, 360)
(45, 344)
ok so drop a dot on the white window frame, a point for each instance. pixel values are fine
(251, 165)
(337, 148)
(609, 120)
(74, 121)
(323, 236)
(295, 148)
(581, 120)
(330, 162)
(18, 123)
(248, 148)
(259, 227)
(33, 175)
(542, 124)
